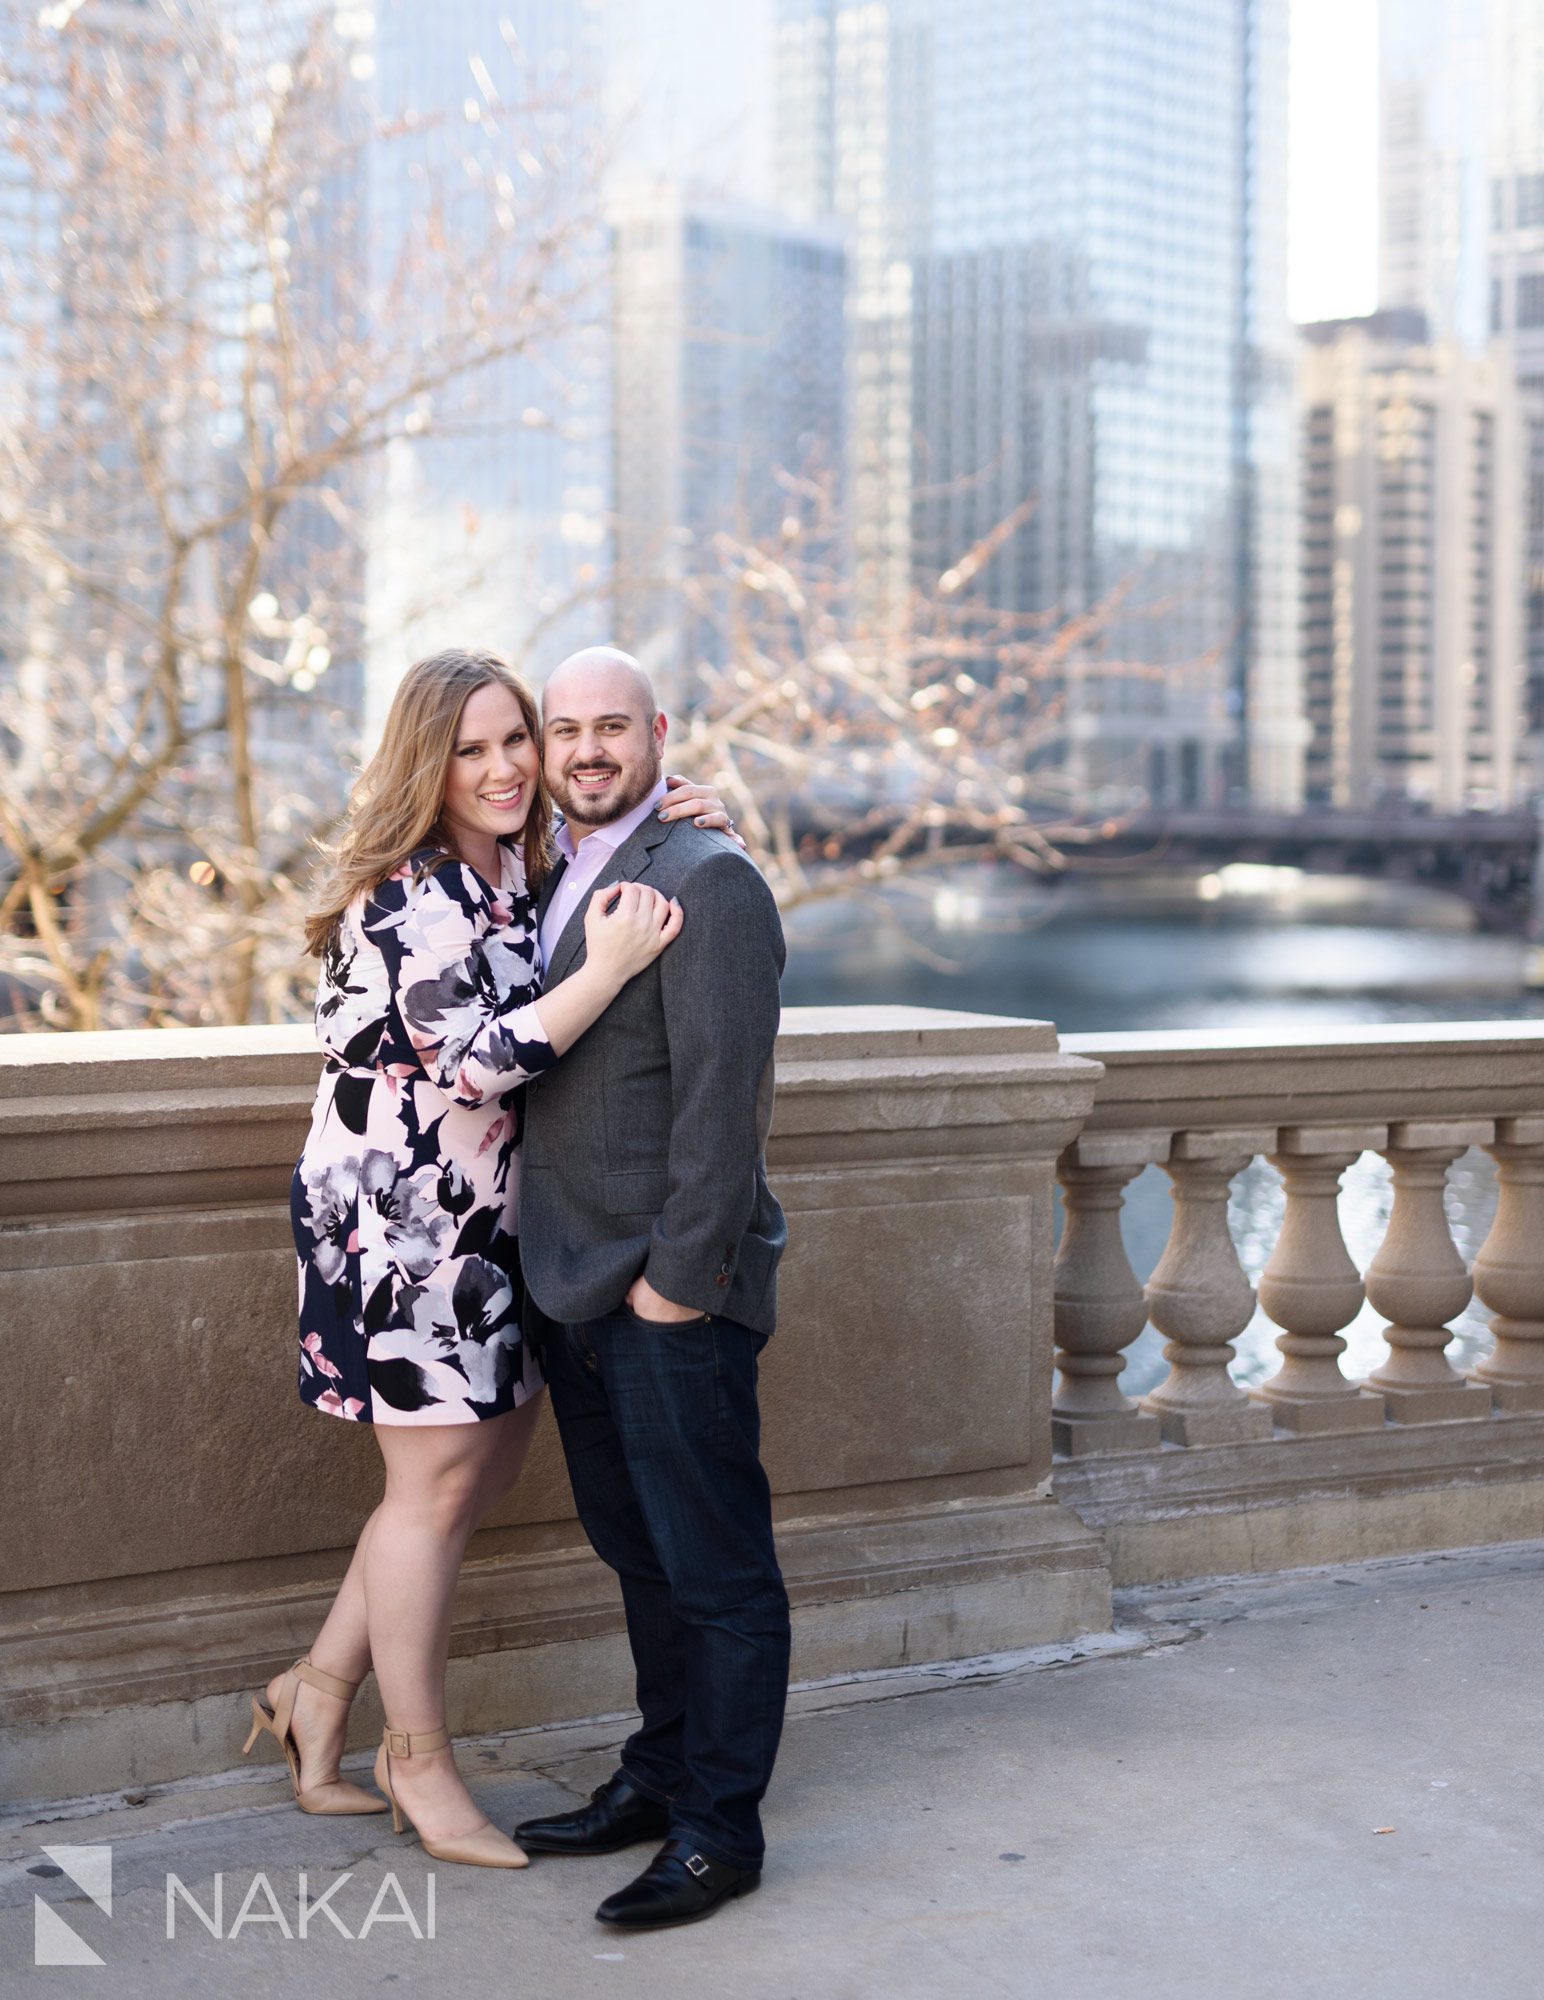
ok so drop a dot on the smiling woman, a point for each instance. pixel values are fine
(493, 774)
(408, 791)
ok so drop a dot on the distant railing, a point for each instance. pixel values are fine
(1202, 1107)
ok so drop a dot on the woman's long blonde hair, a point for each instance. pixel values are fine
(395, 807)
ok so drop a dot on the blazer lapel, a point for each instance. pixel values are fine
(630, 863)
(549, 888)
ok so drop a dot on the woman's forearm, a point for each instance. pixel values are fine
(575, 1005)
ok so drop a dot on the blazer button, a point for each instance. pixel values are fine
(721, 1279)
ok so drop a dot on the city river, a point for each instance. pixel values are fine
(1253, 948)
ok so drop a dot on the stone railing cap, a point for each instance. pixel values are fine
(815, 1034)
(137, 1059)
(1132, 1045)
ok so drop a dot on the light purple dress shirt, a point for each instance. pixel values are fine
(587, 861)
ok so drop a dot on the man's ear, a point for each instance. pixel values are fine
(661, 727)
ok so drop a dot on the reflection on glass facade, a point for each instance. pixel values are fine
(1126, 164)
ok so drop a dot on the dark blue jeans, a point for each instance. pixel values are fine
(662, 1435)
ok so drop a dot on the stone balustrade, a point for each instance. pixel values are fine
(176, 1521)
(1202, 1107)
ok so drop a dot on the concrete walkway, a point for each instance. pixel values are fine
(1327, 1784)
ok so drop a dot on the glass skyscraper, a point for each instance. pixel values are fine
(491, 527)
(728, 376)
(1434, 59)
(1461, 236)
(1070, 216)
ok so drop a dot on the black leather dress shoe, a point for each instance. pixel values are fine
(679, 1886)
(618, 1815)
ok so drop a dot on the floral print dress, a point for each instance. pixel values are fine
(404, 1204)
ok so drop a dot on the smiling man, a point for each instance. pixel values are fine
(651, 1239)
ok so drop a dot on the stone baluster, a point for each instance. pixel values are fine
(1509, 1271)
(1100, 1307)
(1419, 1281)
(1312, 1289)
(1199, 1297)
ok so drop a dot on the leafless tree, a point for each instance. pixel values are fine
(231, 286)
(856, 753)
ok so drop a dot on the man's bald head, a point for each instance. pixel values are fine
(599, 669)
(603, 736)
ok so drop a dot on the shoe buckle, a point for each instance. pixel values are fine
(695, 1865)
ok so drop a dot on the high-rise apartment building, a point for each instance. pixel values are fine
(1414, 487)
(727, 341)
(1117, 173)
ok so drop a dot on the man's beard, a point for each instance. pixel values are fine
(631, 789)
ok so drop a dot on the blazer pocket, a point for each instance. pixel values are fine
(636, 1191)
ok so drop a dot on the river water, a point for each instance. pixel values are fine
(1251, 949)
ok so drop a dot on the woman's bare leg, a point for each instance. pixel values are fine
(342, 1645)
(505, 1467)
(435, 1476)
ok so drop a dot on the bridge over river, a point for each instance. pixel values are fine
(1489, 859)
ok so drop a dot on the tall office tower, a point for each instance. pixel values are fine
(316, 567)
(489, 528)
(1462, 223)
(728, 382)
(1515, 125)
(1531, 397)
(1434, 78)
(73, 240)
(1461, 228)
(1005, 343)
(1415, 462)
(1068, 252)
(849, 141)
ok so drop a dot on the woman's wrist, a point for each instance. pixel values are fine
(594, 979)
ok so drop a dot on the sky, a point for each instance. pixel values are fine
(1332, 267)
(693, 86)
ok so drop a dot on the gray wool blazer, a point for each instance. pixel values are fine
(645, 1146)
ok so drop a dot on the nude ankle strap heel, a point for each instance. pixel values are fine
(485, 1847)
(332, 1795)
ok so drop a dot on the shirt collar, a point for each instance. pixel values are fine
(610, 837)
